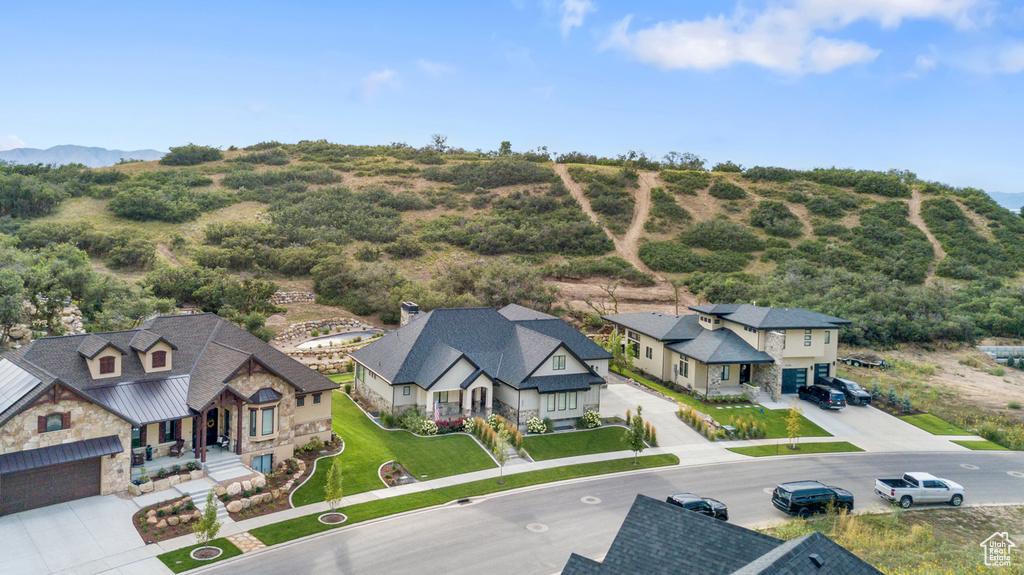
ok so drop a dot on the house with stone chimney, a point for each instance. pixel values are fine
(725, 349)
(79, 413)
(448, 363)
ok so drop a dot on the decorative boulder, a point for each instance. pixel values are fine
(245, 502)
(167, 509)
(162, 484)
(234, 506)
(146, 487)
(161, 524)
(219, 490)
(234, 489)
(134, 489)
(186, 499)
(185, 518)
(259, 481)
(197, 514)
(174, 480)
(152, 520)
(151, 513)
(246, 485)
(173, 520)
(274, 494)
(197, 474)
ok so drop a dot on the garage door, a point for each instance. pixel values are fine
(792, 379)
(24, 490)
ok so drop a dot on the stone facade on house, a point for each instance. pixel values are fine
(771, 374)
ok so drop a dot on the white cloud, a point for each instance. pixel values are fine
(922, 65)
(371, 85)
(573, 12)
(10, 143)
(1010, 59)
(786, 37)
(435, 69)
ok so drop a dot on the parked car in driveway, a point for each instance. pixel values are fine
(919, 487)
(855, 394)
(823, 395)
(702, 505)
(805, 498)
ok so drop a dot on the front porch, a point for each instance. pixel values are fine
(473, 402)
(214, 456)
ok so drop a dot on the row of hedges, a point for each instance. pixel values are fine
(891, 184)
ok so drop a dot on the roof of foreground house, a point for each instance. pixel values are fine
(658, 538)
(505, 349)
(771, 317)
(714, 346)
(208, 350)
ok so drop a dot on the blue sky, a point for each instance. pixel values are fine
(934, 86)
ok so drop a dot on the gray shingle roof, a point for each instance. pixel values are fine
(720, 346)
(144, 340)
(145, 402)
(208, 350)
(771, 317)
(421, 351)
(516, 312)
(63, 453)
(580, 344)
(556, 383)
(658, 538)
(660, 326)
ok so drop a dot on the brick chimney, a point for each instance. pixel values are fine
(409, 312)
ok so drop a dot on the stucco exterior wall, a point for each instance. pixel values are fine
(571, 365)
(454, 377)
(314, 411)
(88, 421)
(376, 390)
(94, 364)
(753, 338)
(147, 358)
(282, 443)
(583, 400)
(656, 364)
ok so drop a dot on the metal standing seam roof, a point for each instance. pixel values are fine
(265, 395)
(15, 382)
(63, 453)
(146, 402)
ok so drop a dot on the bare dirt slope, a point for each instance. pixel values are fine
(917, 220)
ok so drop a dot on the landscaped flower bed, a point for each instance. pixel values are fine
(165, 477)
(165, 520)
(269, 493)
(392, 474)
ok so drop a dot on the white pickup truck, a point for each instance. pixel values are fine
(918, 487)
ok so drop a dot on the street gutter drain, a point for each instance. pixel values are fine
(590, 499)
(537, 527)
(463, 501)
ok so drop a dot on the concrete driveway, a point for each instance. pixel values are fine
(620, 396)
(91, 535)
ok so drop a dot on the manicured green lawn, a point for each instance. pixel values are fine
(934, 425)
(980, 445)
(568, 444)
(784, 449)
(308, 525)
(179, 560)
(341, 377)
(773, 421)
(367, 446)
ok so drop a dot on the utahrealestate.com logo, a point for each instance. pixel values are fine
(998, 548)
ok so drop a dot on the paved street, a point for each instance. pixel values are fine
(534, 531)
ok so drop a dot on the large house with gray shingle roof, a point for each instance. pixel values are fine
(517, 362)
(77, 411)
(658, 538)
(723, 347)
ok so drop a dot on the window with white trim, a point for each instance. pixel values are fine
(252, 423)
(268, 421)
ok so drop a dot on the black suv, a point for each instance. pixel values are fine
(855, 394)
(824, 396)
(804, 498)
(701, 505)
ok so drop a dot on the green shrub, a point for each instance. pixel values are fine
(612, 267)
(671, 256)
(776, 219)
(665, 212)
(28, 197)
(967, 248)
(727, 166)
(720, 234)
(726, 190)
(893, 245)
(882, 184)
(824, 206)
(686, 181)
(490, 174)
(191, 155)
(270, 157)
(405, 247)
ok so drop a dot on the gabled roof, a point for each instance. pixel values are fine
(208, 351)
(144, 340)
(658, 538)
(714, 346)
(661, 326)
(516, 312)
(92, 345)
(265, 395)
(506, 351)
(581, 345)
(771, 317)
(558, 383)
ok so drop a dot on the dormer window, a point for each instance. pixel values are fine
(108, 365)
(159, 358)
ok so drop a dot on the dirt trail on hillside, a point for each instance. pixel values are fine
(165, 252)
(627, 246)
(917, 220)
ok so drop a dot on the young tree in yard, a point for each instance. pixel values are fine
(677, 288)
(333, 487)
(621, 357)
(634, 436)
(500, 452)
(207, 526)
(793, 424)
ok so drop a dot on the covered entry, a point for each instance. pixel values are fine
(793, 378)
(51, 475)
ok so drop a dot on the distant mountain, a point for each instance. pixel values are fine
(92, 157)
(1008, 200)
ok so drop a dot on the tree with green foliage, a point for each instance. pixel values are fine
(333, 491)
(793, 424)
(207, 526)
(634, 436)
(500, 451)
(191, 155)
(12, 302)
